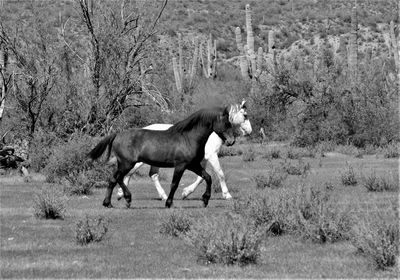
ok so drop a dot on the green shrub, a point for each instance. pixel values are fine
(227, 239)
(273, 178)
(377, 238)
(91, 229)
(373, 183)
(348, 176)
(176, 224)
(49, 203)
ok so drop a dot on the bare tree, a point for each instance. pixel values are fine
(116, 62)
(34, 70)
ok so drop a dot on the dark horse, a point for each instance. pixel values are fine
(181, 147)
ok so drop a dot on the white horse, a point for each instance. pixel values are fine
(238, 117)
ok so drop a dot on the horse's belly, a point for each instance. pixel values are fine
(165, 154)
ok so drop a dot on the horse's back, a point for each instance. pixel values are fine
(154, 147)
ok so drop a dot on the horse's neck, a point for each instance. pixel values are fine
(200, 134)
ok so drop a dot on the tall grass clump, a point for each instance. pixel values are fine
(387, 182)
(348, 176)
(91, 229)
(49, 203)
(228, 239)
(377, 238)
(177, 223)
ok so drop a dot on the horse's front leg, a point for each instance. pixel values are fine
(190, 189)
(178, 172)
(200, 171)
(213, 160)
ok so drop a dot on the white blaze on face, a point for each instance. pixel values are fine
(238, 116)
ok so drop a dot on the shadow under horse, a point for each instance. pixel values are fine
(180, 147)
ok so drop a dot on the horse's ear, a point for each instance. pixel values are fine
(243, 105)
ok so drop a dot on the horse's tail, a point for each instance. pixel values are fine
(97, 151)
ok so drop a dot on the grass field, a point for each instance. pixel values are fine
(133, 248)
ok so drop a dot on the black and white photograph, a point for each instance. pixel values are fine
(199, 139)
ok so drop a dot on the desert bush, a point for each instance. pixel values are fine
(227, 239)
(299, 168)
(320, 218)
(49, 203)
(78, 183)
(374, 183)
(347, 150)
(273, 178)
(68, 158)
(91, 229)
(249, 155)
(391, 151)
(293, 153)
(176, 224)
(273, 211)
(272, 153)
(377, 237)
(348, 176)
(40, 149)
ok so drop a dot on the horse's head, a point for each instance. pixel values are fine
(222, 126)
(238, 117)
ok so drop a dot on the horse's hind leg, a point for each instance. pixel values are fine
(127, 178)
(110, 187)
(118, 177)
(124, 169)
(153, 173)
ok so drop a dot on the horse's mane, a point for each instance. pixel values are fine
(203, 117)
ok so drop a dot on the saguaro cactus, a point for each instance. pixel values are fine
(3, 64)
(209, 65)
(352, 58)
(250, 62)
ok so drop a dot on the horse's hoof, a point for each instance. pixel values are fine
(185, 194)
(108, 205)
(168, 203)
(205, 201)
(163, 197)
(227, 196)
(128, 205)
